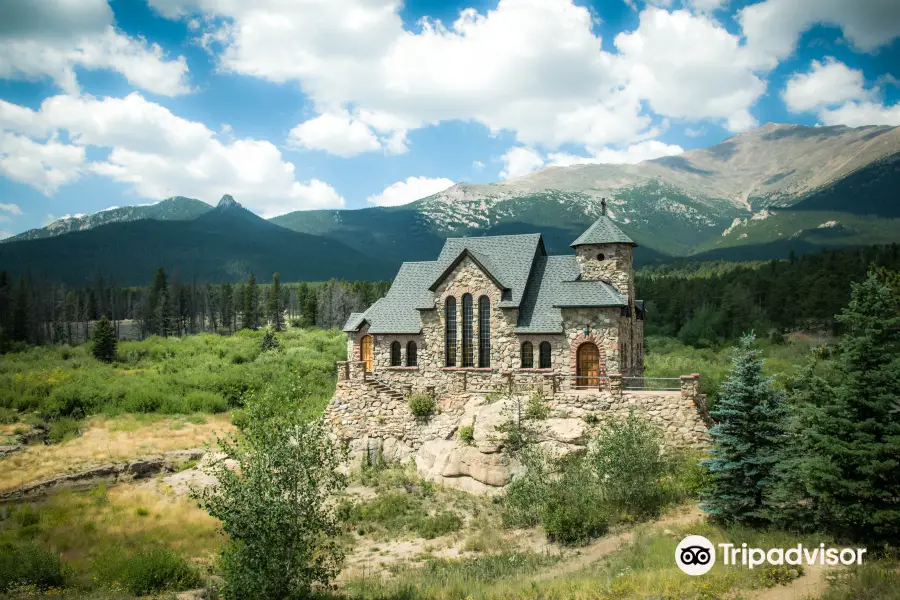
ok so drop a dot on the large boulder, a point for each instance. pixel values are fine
(447, 461)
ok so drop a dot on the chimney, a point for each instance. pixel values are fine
(603, 206)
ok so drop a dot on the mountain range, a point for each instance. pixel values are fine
(225, 243)
(760, 194)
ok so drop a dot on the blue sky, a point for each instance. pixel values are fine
(353, 103)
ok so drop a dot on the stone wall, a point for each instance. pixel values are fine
(374, 419)
(616, 267)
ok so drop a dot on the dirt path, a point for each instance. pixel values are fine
(810, 585)
(607, 545)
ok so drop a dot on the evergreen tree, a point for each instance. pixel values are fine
(849, 447)
(306, 302)
(20, 311)
(275, 305)
(160, 313)
(250, 316)
(5, 295)
(104, 338)
(225, 306)
(749, 432)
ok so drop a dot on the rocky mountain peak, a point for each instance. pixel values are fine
(227, 202)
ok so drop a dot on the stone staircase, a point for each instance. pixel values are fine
(383, 388)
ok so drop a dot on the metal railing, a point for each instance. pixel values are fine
(581, 382)
(656, 384)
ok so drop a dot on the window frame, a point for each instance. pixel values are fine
(545, 350)
(526, 355)
(484, 332)
(396, 354)
(450, 340)
(468, 331)
(412, 354)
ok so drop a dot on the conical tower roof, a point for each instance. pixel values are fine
(603, 231)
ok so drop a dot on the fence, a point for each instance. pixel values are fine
(656, 384)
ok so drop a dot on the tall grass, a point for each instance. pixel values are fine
(200, 373)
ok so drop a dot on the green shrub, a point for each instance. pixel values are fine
(527, 493)
(146, 571)
(269, 341)
(439, 524)
(574, 513)
(66, 401)
(627, 458)
(8, 416)
(28, 564)
(421, 405)
(467, 434)
(239, 418)
(208, 402)
(63, 430)
(104, 338)
(536, 409)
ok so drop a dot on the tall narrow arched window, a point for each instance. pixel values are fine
(544, 355)
(395, 354)
(468, 350)
(484, 332)
(412, 359)
(450, 331)
(527, 355)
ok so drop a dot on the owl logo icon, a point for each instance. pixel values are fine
(695, 555)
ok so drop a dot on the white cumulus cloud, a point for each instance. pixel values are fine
(519, 161)
(410, 190)
(338, 133)
(53, 39)
(635, 153)
(158, 153)
(827, 83)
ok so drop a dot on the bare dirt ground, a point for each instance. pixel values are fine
(583, 557)
(108, 440)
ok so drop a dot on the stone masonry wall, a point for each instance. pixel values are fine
(360, 410)
(615, 267)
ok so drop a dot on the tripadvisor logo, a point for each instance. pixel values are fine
(696, 555)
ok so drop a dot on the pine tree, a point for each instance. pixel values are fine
(20, 311)
(850, 425)
(104, 338)
(250, 316)
(750, 423)
(275, 306)
(160, 314)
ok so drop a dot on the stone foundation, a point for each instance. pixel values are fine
(373, 417)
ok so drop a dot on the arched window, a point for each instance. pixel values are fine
(484, 332)
(468, 350)
(527, 356)
(395, 354)
(412, 360)
(450, 332)
(544, 355)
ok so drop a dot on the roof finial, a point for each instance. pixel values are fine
(603, 206)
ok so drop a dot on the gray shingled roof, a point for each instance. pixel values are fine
(353, 321)
(510, 257)
(397, 311)
(537, 313)
(603, 231)
(481, 259)
(575, 294)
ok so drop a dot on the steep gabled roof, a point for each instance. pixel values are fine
(603, 231)
(354, 322)
(508, 257)
(483, 261)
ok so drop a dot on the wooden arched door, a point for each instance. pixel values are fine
(365, 352)
(588, 366)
